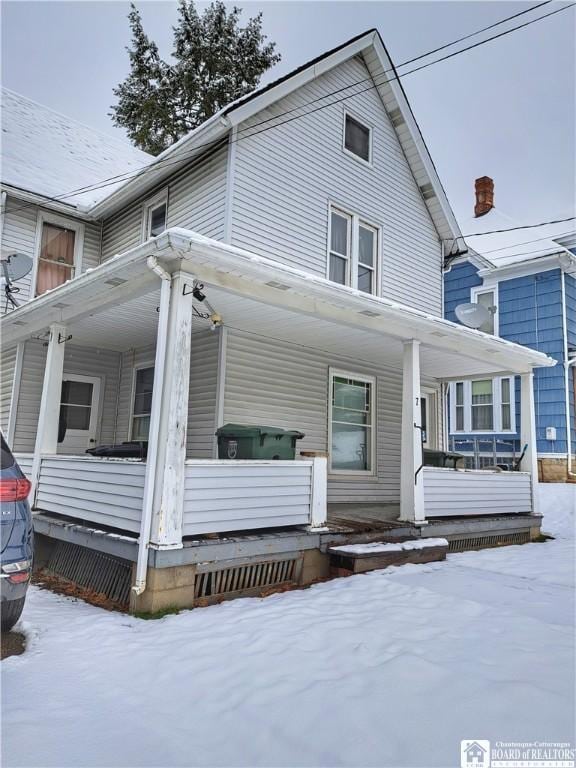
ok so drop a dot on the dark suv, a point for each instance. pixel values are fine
(16, 538)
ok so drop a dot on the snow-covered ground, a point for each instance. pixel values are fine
(391, 668)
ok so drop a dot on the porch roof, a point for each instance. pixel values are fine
(113, 306)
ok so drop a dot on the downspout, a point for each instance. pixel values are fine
(2, 213)
(567, 364)
(149, 481)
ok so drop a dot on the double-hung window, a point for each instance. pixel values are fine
(142, 405)
(483, 405)
(351, 418)
(155, 216)
(352, 251)
(59, 249)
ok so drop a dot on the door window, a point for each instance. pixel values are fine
(76, 404)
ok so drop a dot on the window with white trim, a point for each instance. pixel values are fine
(59, 251)
(351, 423)
(142, 403)
(357, 138)
(155, 216)
(352, 251)
(487, 298)
(483, 405)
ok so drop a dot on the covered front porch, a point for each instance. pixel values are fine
(268, 345)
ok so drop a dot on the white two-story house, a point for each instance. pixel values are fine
(281, 265)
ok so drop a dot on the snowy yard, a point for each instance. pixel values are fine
(392, 668)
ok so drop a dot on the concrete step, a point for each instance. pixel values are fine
(348, 559)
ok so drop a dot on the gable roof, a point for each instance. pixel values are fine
(370, 46)
(48, 154)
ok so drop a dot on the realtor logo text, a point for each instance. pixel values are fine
(478, 753)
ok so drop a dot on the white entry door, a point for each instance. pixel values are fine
(79, 406)
(429, 418)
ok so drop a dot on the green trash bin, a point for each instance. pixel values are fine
(246, 441)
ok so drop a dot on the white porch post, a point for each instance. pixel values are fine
(411, 479)
(49, 416)
(529, 462)
(168, 502)
(319, 503)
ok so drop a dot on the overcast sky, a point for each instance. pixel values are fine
(506, 109)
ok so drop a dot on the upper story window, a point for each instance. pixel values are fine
(155, 216)
(352, 251)
(352, 418)
(488, 299)
(357, 138)
(59, 251)
(483, 405)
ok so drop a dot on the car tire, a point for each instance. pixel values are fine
(11, 611)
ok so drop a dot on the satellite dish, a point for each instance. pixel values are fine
(14, 266)
(472, 315)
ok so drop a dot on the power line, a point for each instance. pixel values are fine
(553, 238)
(525, 226)
(165, 163)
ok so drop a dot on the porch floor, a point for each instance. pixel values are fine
(363, 517)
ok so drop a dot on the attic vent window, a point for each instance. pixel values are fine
(427, 191)
(357, 138)
(397, 118)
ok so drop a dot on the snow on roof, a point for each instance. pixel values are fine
(506, 248)
(47, 153)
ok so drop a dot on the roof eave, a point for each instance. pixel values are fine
(207, 257)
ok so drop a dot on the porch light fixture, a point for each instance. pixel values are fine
(115, 281)
(369, 313)
(61, 305)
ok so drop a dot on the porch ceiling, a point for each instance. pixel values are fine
(114, 306)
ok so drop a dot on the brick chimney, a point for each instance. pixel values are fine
(484, 187)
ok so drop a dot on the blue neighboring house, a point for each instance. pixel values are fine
(528, 283)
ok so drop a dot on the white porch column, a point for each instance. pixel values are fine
(168, 502)
(49, 416)
(319, 504)
(528, 434)
(411, 479)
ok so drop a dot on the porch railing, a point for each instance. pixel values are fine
(465, 493)
(241, 495)
(219, 496)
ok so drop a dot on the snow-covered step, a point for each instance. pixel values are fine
(359, 558)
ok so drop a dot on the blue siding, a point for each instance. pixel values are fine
(457, 283)
(570, 286)
(529, 313)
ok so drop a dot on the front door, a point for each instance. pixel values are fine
(79, 405)
(429, 418)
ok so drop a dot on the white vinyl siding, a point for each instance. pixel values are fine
(196, 201)
(466, 493)
(105, 492)
(286, 385)
(285, 178)
(8, 365)
(242, 495)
